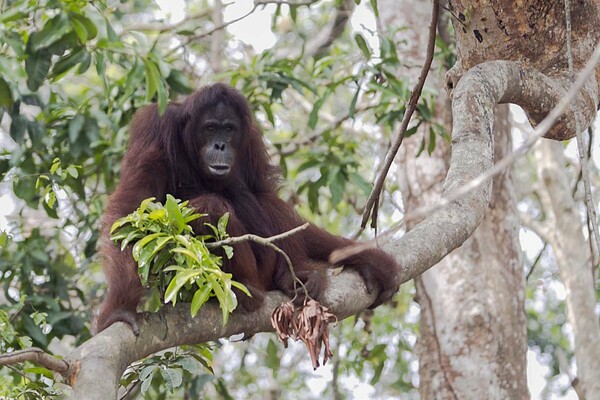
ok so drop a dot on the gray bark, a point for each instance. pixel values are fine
(108, 354)
(564, 231)
(473, 337)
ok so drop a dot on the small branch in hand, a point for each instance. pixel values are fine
(268, 242)
(37, 356)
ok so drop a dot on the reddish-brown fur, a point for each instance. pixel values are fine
(163, 157)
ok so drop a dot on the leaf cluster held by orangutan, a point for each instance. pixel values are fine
(309, 323)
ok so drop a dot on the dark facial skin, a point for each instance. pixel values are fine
(221, 132)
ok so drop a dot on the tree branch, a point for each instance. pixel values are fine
(224, 25)
(467, 188)
(37, 356)
(319, 46)
(268, 242)
(108, 354)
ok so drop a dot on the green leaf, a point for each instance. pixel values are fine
(174, 214)
(222, 225)
(88, 24)
(67, 62)
(362, 45)
(190, 364)
(179, 82)
(421, 147)
(118, 223)
(80, 30)
(188, 253)
(110, 32)
(374, 7)
(200, 297)
(72, 170)
(337, 183)
(146, 203)
(157, 214)
(193, 217)
(101, 65)
(228, 252)
(222, 297)
(241, 287)
(313, 197)
(137, 248)
(36, 134)
(163, 97)
(134, 77)
(152, 79)
(180, 279)
(3, 239)
(25, 342)
(37, 66)
(311, 162)
(75, 126)
(431, 145)
(52, 31)
(132, 236)
(6, 98)
(85, 63)
(13, 14)
(146, 377)
(39, 370)
(24, 188)
(314, 114)
(362, 184)
(411, 131)
(172, 377)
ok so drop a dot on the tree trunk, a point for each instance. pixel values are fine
(564, 231)
(473, 336)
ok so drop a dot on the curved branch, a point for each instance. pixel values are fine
(468, 185)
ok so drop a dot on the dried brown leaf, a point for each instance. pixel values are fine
(309, 323)
(282, 320)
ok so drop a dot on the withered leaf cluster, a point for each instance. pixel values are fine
(309, 323)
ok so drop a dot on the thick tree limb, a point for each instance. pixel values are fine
(474, 100)
(108, 354)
